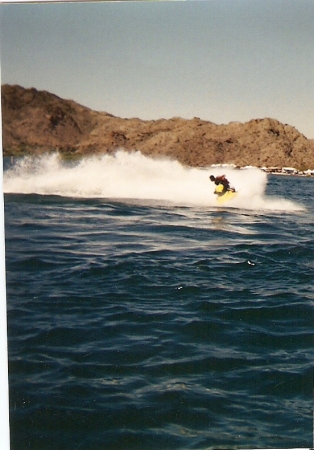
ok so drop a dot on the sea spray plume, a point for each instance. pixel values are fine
(122, 175)
(251, 185)
(46, 175)
(158, 179)
(134, 176)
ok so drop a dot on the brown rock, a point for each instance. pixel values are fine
(34, 122)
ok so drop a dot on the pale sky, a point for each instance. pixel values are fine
(220, 60)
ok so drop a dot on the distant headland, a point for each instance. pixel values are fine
(36, 122)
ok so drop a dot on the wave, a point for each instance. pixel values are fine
(126, 175)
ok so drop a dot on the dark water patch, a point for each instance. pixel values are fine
(137, 325)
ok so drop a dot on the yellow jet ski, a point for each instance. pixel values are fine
(222, 195)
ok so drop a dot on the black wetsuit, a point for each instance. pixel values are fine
(223, 180)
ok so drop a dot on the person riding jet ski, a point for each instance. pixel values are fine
(221, 179)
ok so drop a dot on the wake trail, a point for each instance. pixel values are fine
(135, 176)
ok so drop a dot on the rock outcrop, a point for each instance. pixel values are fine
(35, 121)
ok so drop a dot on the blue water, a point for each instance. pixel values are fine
(135, 323)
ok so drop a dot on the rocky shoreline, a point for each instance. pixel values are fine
(36, 122)
(273, 170)
(288, 171)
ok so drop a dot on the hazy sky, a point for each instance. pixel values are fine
(220, 60)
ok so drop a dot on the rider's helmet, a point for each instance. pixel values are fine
(212, 178)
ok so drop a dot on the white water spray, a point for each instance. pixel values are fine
(135, 176)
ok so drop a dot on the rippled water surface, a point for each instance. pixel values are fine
(145, 324)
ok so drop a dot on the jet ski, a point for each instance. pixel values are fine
(224, 196)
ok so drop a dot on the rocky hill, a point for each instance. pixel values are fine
(34, 122)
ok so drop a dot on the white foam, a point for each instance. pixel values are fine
(135, 176)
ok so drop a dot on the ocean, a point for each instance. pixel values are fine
(141, 315)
